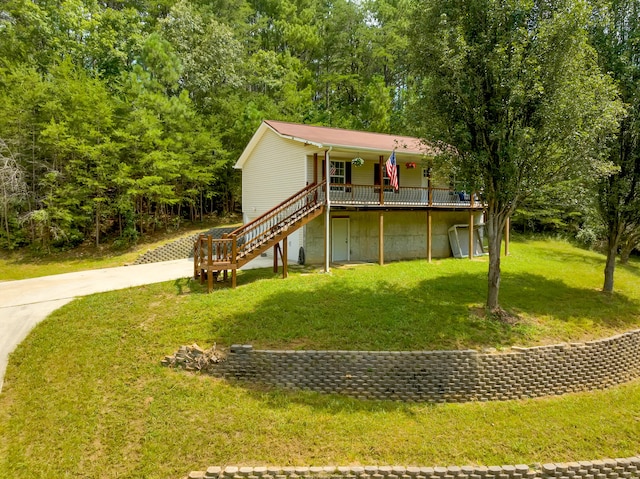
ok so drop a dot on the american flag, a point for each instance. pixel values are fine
(392, 171)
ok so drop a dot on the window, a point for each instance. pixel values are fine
(385, 177)
(337, 175)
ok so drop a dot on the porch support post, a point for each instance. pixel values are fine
(326, 240)
(276, 249)
(234, 260)
(381, 196)
(381, 236)
(210, 281)
(471, 234)
(429, 232)
(285, 247)
(507, 227)
(315, 168)
(327, 214)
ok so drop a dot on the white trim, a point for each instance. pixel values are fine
(255, 139)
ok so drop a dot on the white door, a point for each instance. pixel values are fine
(340, 239)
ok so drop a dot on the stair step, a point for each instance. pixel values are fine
(255, 246)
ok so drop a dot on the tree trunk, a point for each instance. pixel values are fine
(97, 225)
(5, 213)
(614, 236)
(494, 233)
(610, 266)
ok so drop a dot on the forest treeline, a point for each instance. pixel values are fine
(121, 117)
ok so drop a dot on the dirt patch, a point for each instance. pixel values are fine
(501, 315)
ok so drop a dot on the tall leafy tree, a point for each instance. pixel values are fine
(77, 135)
(388, 22)
(13, 190)
(209, 54)
(167, 147)
(515, 88)
(617, 38)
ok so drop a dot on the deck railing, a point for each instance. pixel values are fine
(278, 219)
(349, 194)
(248, 241)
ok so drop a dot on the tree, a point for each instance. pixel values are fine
(209, 53)
(515, 88)
(13, 188)
(617, 37)
(78, 136)
(168, 148)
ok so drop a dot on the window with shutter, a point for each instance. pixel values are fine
(385, 177)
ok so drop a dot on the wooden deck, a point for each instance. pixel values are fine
(404, 197)
(213, 256)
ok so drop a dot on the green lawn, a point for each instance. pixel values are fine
(24, 263)
(85, 396)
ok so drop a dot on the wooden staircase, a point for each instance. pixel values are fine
(212, 256)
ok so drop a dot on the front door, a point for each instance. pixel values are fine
(339, 239)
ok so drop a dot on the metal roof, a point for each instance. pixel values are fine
(323, 137)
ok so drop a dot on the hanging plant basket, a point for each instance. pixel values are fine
(357, 161)
(411, 165)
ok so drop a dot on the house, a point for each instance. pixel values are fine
(364, 217)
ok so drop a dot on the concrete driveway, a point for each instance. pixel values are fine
(25, 303)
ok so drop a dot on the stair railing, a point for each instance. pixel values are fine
(250, 239)
(264, 228)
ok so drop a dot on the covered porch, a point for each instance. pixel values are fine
(421, 197)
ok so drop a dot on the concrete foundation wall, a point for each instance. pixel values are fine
(405, 234)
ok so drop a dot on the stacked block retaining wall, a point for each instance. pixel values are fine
(442, 376)
(179, 249)
(605, 469)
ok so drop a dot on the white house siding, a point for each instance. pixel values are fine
(405, 234)
(364, 175)
(275, 171)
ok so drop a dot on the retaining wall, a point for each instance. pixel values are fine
(442, 376)
(179, 249)
(605, 469)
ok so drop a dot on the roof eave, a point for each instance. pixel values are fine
(376, 150)
(246, 153)
(265, 125)
(301, 140)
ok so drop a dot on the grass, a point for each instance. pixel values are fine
(26, 263)
(85, 396)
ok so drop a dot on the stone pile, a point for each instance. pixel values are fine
(194, 358)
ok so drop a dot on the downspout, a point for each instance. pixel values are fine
(327, 242)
